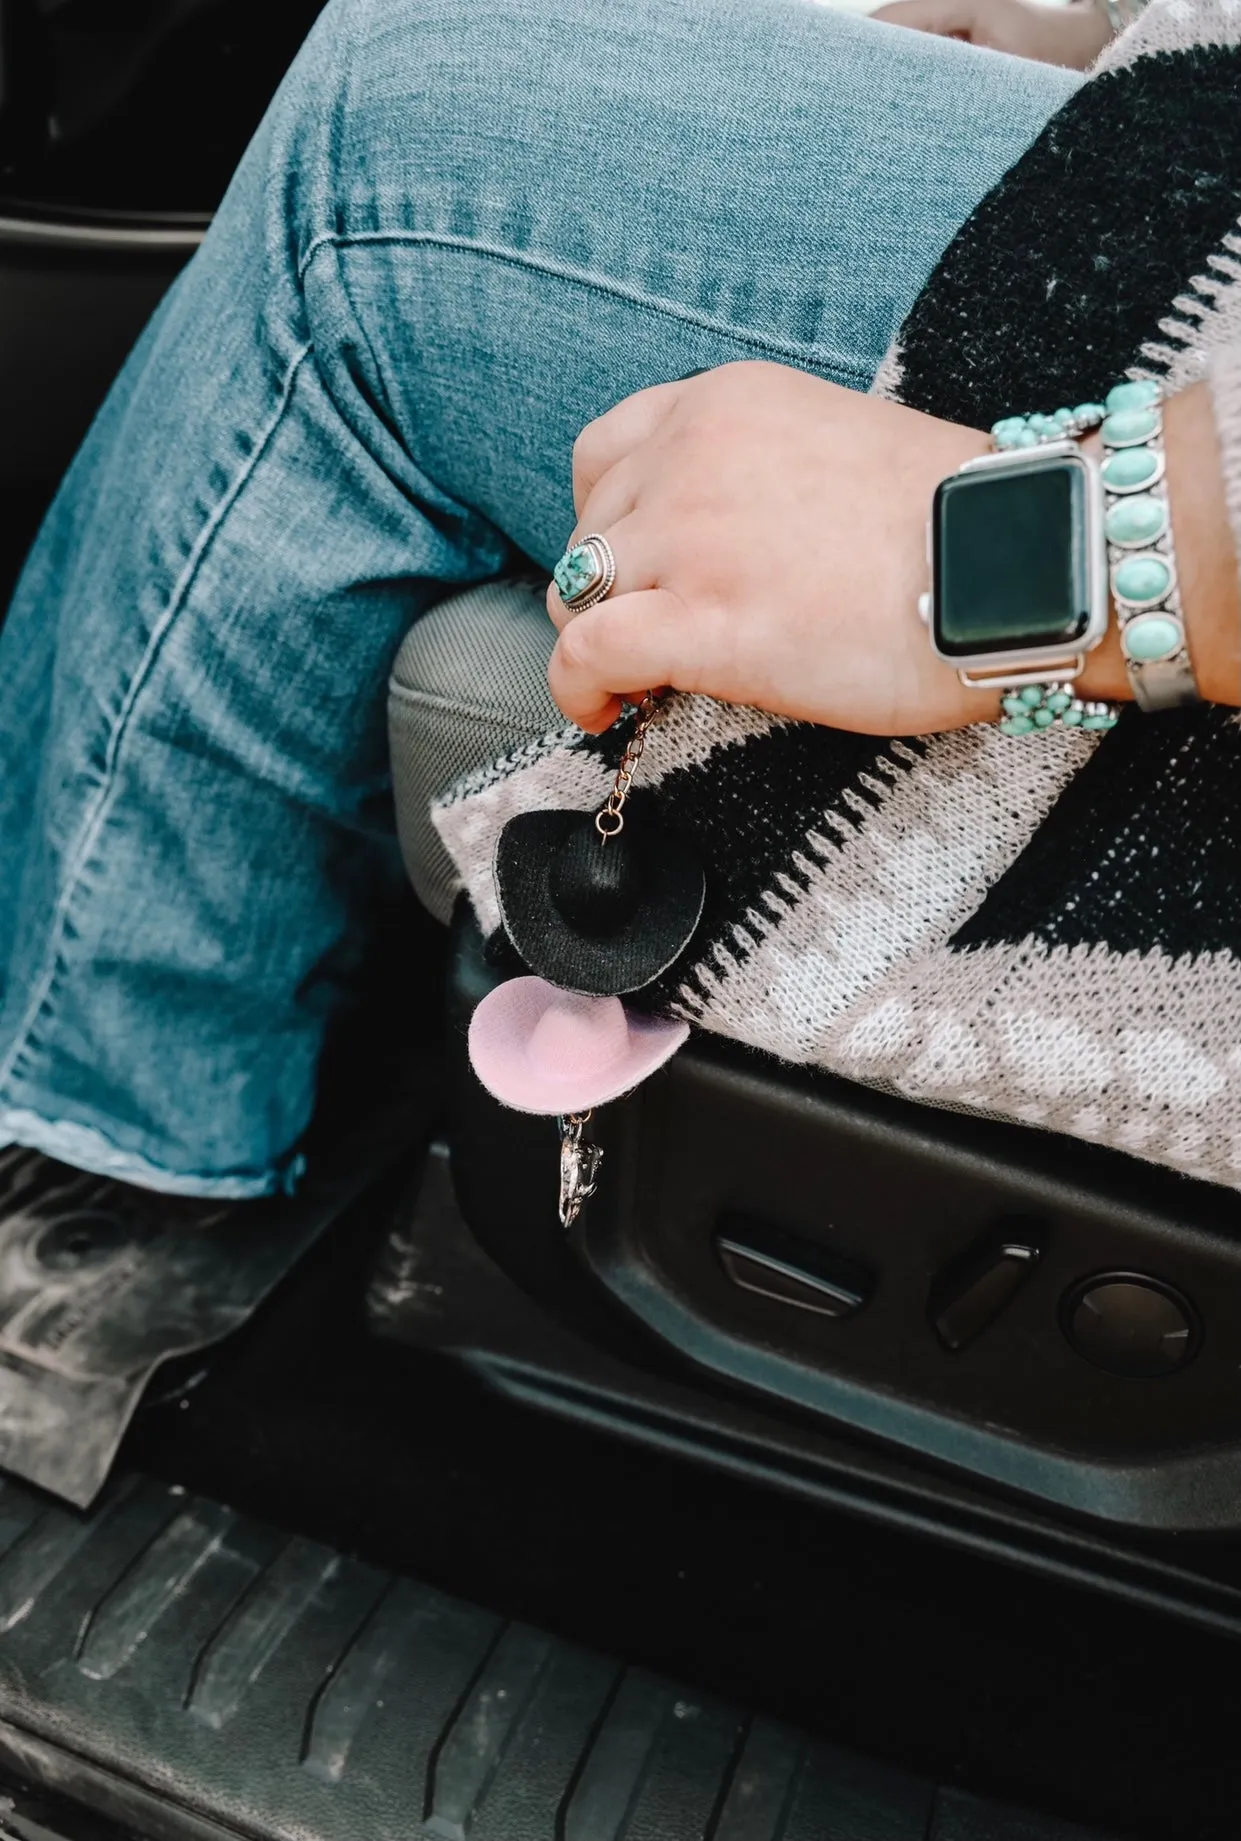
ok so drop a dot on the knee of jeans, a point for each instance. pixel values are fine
(469, 685)
(452, 117)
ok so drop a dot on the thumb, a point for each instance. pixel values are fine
(625, 646)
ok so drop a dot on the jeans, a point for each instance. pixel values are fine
(462, 230)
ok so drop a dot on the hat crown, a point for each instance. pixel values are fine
(579, 1034)
(595, 883)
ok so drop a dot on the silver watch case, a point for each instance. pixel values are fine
(1032, 664)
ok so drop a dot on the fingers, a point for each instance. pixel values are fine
(611, 437)
(621, 649)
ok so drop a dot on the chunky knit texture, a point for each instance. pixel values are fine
(1049, 931)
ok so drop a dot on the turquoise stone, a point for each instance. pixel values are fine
(1032, 696)
(1012, 704)
(1059, 701)
(575, 572)
(1044, 718)
(1137, 520)
(1063, 418)
(1072, 719)
(1129, 426)
(1017, 725)
(1089, 413)
(1129, 467)
(1027, 438)
(1142, 578)
(1132, 396)
(1006, 430)
(1152, 637)
(1104, 721)
(1044, 425)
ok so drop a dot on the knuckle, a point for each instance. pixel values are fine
(578, 644)
(586, 442)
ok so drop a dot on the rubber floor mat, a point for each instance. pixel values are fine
(189, 1673)
(100, 1284)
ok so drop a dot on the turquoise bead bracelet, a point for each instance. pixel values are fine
(1138, 528)
(1138, 532)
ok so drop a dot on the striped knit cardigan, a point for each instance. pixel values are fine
(1052, 933)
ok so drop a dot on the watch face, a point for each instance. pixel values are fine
(1011, 567)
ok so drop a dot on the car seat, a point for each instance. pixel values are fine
(1050, 1317)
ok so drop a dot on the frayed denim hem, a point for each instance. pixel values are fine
(87, 1149)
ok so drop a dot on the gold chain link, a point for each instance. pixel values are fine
(610, 821)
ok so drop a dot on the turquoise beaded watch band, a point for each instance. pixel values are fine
(1046, 706)
(1036, 707)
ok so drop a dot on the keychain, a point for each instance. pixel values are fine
(592, 904)
(580, 1158)
(595, 910)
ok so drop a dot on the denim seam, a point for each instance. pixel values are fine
(599, 284)
(97, 811)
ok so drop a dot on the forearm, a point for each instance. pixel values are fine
(1071, 35)
(1080, 34)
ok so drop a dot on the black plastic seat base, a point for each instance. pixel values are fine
(1043, 1316)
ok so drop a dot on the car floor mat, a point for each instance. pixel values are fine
(102, 1284)
(188, 1673)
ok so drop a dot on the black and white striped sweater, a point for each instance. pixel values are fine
(1051, 933)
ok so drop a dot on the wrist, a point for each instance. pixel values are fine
(1205, 610)
(1105, 677)
(1206, 563)
(1205, 559)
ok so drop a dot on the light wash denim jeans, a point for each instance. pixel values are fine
(465, 228)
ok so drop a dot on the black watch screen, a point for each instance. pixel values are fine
(1010, 563)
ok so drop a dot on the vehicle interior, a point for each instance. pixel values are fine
(851, 1470)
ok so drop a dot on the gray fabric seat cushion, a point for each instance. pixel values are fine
(469, 684)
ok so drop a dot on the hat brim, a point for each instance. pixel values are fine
(674, 891)
(501, 1030)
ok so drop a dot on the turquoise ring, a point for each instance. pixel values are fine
(585, 573)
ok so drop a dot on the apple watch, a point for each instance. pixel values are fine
(1019, 590)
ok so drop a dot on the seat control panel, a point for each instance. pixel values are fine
(1064, 1320)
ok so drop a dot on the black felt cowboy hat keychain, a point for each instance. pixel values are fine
(596, 909)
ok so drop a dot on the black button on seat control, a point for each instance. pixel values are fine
(975, 1289)
(774, 1263)
(1131, 1324)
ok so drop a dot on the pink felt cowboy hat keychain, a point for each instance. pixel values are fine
(593, 914)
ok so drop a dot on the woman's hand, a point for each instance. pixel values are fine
(769, 532)
(1070, 35)
(770, 539)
